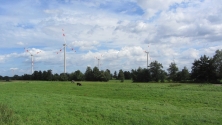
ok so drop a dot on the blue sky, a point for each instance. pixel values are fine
(120, 31)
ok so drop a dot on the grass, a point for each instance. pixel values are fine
(45, 103)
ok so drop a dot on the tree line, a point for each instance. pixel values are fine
(205, 69)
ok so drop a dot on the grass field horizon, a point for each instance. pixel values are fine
(113, 102)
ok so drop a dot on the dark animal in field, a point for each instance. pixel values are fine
(79, 84)
(73, 81)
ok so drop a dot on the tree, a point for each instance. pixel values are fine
(88, 74)
(121, 75)
(63, 77)
(16, 77)
(127, 75)
(184, 75)
(44, 75)
(163, 75)
(140, 75)
(155, 71)
(96, 74)
(26, 77)
(115, 75)
(172, 72)
(108, 74)
(77, 76)
(49, 75)
(35, 75)
(7, 78)
(56, 77)
(104, 76)
(217, 63)
(203, 70)
(40, 75)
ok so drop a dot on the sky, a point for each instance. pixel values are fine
(115, 32)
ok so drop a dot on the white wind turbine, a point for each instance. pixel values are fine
(32, 60)
(147, 52)
(64, 47)
(98, 59)
(13, 70)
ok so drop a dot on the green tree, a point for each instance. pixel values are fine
(104, 76)
(156, 71)
(121, 75)
(96, 74)
(77, 76)
(127, 75)
(217, 63)
(184, 75)
(63, 77)
(115, 75)
(56, 77)
(88, 74)
(203, 70)
(44, 75)
(49, 75)
(163, 75)
(140, 75)
(172, 72)
(108, 74)
(35, 75)
(16, 77)
(26, 77)
(40, 75)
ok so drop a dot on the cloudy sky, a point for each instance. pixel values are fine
(117, 32)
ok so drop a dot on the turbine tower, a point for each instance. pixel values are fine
(64, 45)
(147, 58)
(32, 59)
(98, 61)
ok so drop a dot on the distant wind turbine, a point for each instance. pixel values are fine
(98, 60)
(13, 70)
(147, 52)
(32, 60)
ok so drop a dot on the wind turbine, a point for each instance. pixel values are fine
(64, 47)
(32, 60)
(147, 52)
(98, 60)
(173, 60)
(13, 70)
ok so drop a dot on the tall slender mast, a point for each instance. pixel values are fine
(64, 51)
(98, 62)
(32, 64)
(147, 59)
(64, 58)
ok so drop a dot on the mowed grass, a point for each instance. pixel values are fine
(103, 103)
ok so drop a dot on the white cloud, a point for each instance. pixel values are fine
(180, 30)
(20, 43)
(85, 45)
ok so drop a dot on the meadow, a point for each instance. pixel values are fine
(113, 102)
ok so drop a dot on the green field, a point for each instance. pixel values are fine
(100, 103)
